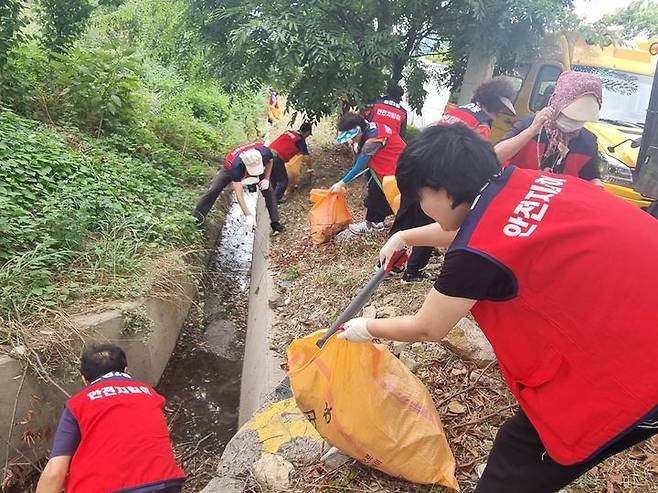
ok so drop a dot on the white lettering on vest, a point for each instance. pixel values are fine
(113, 390)
(529, 213)
(390, 114)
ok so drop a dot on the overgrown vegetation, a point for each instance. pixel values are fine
(108, 122)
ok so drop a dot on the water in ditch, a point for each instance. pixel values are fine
(202, 380)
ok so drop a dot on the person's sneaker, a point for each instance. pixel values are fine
(420, 276)
(277, 228)
(365, 227)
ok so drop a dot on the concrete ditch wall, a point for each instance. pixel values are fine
(261, 371)
(147, 329)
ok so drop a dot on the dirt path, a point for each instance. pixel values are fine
(316, 282)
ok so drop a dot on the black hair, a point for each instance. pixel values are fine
(351, 120)
(452, 157)
(488, 94)
(394, 90)
(100, 359)
(305, 127)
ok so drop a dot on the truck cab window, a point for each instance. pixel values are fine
(544, 86)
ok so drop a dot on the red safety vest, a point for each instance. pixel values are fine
(285, 145)
(385, 161)
(125, 440)
(577, 344)
(470, 115)
(579, 155)
(230, 157)
(389, 112)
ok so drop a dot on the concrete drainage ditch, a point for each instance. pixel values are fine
(214, 378)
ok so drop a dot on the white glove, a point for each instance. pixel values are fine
(394, 244)
(337, 187)
(251, 221)
(355, 330)
(264, 184)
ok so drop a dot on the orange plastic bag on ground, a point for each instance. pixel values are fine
(392, 193)
(328, 215)
(294, 170)
(365, 401)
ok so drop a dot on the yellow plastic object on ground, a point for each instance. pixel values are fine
(365, 401)
(392, 192)
(294, 170)
(328, 215)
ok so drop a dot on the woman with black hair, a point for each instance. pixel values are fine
(378, 150)
(490, 99)
(525, 253)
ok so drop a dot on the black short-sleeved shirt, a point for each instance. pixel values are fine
(468, 275)
(591, 169)
(303, 148)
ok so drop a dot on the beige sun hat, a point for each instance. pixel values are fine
(253, 161)
(584, 109)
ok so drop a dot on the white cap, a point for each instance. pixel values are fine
(253, 161)
(584, 109)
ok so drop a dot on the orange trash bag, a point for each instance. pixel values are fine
(392, 193)
(365, 401)
(328, 215)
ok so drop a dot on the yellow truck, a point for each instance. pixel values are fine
(626, 74)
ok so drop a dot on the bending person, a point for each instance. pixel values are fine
(378, 151)
(579, 359)
(244, 163)
(112, 435)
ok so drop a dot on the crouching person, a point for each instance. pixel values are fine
(539, 259)
(112, 436)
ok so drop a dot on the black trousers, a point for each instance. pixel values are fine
(219, 183)
(410, 215)
(279, 178)
(518, 462)
(377, 207)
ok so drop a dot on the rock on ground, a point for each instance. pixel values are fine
(273, 472)
(467, 340)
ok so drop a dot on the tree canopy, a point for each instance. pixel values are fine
(322, 50)
(640, 18)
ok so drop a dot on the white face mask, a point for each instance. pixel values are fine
(568, 125)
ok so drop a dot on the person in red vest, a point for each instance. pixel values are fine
(112, 435)
(244, 165)
(554, 139)
(388, 110)
(284, 148)
(539, 260)
(491, 99)
(378, 150)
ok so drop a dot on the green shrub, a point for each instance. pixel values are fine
(102, 87)
(60, 206)
(412, 133)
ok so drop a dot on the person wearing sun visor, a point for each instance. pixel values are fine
(490, 99)
(554, 139)
(379, 147)
(248, 164)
